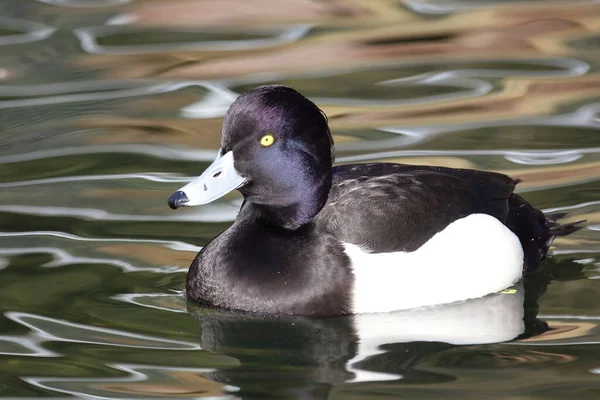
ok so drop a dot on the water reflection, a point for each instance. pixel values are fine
(23, 31)
(117, 38)
(106, 106)
(140, 381)
(293, 357)
(452, 6)
(66, 249)
(45, 329)
(173, 302)
(320, 355)
(55, 93)
(86, 3)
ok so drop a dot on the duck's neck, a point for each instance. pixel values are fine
(299, 206)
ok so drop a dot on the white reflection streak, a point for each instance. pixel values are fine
(122, 19)
(577, 252)
(146, 150)
(134, 372)
(578, 317)
(131, 298)
(76, 98)
(102, 85)
(447, 7)
(151, 177)
(170, 244)
(213, 105)
(61, 258)
(159, 343)
(543, 159)
(474, 87)
(509, 152)
(557, 343)
(571, 67)
(95, 4)
(36, 31)
(30, 342)
(584, 116)
(114, 91)
(573, 207)
(468, 79)
(208, 214)
(88, 40)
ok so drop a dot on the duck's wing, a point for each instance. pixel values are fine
(395, 207)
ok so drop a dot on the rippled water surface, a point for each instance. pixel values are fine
(107, 106)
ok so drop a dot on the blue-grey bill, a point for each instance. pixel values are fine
(216, 181)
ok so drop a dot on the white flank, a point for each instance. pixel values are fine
(472, 257)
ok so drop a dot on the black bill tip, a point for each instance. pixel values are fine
(178, 199)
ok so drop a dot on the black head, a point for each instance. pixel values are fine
(281, 144)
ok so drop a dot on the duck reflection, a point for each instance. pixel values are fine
(295, 357)
(305, 357)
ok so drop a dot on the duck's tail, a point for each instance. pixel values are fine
(535, 230)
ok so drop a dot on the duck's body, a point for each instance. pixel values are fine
(315, 240)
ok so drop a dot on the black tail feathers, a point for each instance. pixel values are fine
(557, 229)
(535, 230)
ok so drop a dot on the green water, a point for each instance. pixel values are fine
(108, 106)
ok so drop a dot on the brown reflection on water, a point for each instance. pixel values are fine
(560, 330)
(555, 175)
(518, 98)
(189, 133)
(359, 33)
(152, 255)
(228, 12)
(532, 357)
(182, 132)
(175, 384)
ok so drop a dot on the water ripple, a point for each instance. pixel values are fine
(149, 176)
(109, 90)
(147, 150)
(170, 244)
(158, 380)
(34, 31)
(107, 106)
(517, 154)
(443, 7)
(61, 258)
(87, 3)
(491, 319)
(222, 212)
(159, 301)
(46, 329)
(90, 36)
(68, 249)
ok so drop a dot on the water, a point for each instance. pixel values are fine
(107, 106)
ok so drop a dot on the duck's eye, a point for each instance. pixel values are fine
(267, 140)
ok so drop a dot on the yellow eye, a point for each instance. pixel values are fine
(267, 140)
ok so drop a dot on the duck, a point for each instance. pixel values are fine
(318, 240)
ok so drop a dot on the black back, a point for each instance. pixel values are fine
(396, 207)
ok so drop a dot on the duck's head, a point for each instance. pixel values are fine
(276, 149)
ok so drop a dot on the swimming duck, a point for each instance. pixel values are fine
(317, 240)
